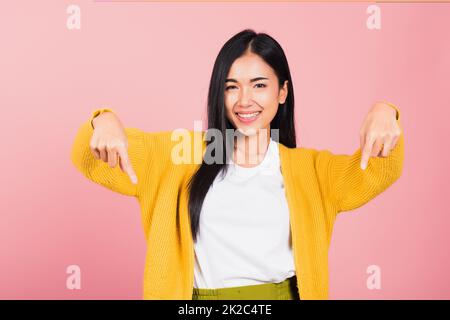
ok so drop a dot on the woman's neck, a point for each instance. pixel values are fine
(250, 150)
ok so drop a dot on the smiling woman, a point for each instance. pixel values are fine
(241, 229)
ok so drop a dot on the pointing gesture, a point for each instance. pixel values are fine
(379, 133)
(109, 143)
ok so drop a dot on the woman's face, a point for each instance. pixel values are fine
(252, 94)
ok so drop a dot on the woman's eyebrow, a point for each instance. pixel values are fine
(251, 80)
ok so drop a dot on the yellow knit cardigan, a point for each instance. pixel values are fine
(318, 185)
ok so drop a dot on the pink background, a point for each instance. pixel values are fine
(151, 62)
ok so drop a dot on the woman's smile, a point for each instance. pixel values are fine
(247, 117)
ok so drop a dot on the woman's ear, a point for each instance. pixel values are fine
(283, 93)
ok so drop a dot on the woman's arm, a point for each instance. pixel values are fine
(101, 172)
(342, 177)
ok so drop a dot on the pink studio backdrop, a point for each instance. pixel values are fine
(151, 62)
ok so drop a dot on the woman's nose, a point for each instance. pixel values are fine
(245, 98)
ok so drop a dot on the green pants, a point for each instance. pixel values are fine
(286, 290)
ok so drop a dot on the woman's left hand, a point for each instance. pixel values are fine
(379, 132)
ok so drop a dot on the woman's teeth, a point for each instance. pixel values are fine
(249, 115)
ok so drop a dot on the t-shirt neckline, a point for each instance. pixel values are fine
(268, 157)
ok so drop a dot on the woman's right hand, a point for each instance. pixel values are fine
(109, 143)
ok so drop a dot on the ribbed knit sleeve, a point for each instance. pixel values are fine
(347, 185)
(100, 172)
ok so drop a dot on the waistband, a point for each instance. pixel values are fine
(285, 290)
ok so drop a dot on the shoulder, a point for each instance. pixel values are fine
(299, 153)
(184, 145)
(169, 138)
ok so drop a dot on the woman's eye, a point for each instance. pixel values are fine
(258, 84)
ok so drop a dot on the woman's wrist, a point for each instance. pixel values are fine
(394, 107)
(96, 114)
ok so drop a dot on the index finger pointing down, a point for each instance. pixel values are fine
(126, 165)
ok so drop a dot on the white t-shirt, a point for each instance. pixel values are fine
(245, 236)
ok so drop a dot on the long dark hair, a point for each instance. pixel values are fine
(271, 52)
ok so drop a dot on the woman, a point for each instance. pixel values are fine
(256, 222)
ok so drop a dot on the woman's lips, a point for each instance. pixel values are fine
(248, 119)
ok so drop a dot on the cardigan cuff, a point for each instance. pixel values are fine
(97, 112)
(393, 106)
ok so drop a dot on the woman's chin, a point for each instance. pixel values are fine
(249, 131)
